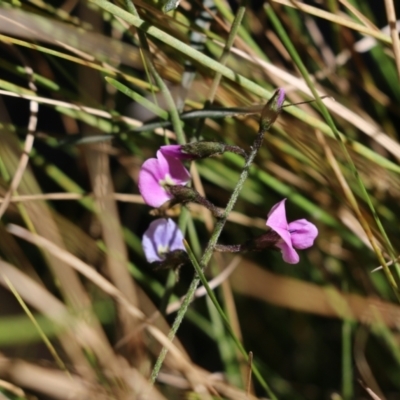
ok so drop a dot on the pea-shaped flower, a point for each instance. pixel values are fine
(158, 173)
(299, 234)
(162, 237)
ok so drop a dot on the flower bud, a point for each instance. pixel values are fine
(272, 109)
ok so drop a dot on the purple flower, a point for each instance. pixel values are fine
(176, 151)
(299, 234)
(156, 174)
(161, 237)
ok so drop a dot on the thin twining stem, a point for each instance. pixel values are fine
(268, 117)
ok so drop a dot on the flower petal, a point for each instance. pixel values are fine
(278, 223)
(174, 236)
(277, 217)
(149, 243)
(175, 150)
(149, 177)
(176, 170)
(162, 234)
(303, 233)
(289, 254)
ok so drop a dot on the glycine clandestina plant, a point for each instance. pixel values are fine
(282, 235)
(163, 180)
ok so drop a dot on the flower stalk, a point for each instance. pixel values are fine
(199, 150)
(266, 241)
(185, 194)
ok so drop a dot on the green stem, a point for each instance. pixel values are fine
(178, 320)
(347, 360)
(224, 57)
(174, 114)
(239, 345)
(196, 40)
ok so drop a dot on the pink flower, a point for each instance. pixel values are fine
(176, 151)
(156, 174)
(299, 234)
